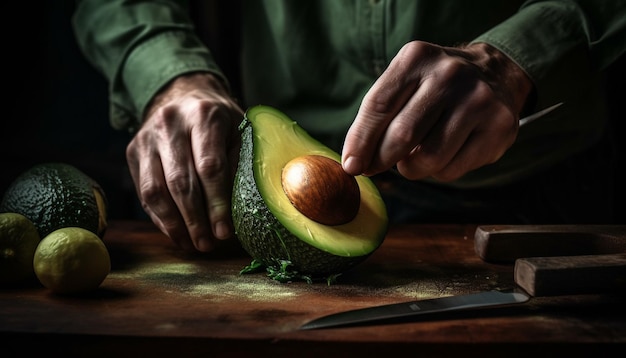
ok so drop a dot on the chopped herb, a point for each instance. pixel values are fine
(255, 266)
(283, 271)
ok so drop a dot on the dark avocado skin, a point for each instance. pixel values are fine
(53, 196)
(261, 234)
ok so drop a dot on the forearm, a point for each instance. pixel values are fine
(139, 50)
(562, 45)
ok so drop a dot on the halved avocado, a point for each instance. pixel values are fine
(279, 237)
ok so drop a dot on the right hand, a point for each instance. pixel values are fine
(438, 112)
(183, 160)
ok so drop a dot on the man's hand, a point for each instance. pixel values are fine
(183, 161)
(438, 112)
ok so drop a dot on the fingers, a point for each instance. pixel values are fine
(432, 113)
(146, 170)
(184, 187)
(379, 106)
(182, 164)
(386, 126)
(410, 127)
(159, 159)
(212, 145)
(461, 141)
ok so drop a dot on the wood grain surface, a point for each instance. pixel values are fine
(159, 301)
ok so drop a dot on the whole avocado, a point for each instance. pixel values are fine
(55, 195)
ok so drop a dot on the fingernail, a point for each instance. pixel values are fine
(204, 244)
(222, 230)
(352, 166)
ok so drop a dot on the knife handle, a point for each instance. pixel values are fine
(506, 243)
(566, 275)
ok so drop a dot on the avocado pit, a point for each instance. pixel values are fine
(319, 188)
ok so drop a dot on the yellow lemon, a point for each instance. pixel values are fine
(18, 242)
(71, 260)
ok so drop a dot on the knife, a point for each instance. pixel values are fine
(524, 121)
(416, 308)
(535, 277)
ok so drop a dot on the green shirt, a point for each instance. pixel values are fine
(315, 59)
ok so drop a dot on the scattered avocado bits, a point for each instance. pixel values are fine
(56, 195)
(286, 239)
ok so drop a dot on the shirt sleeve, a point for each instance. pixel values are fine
(562, 44)
(139, 46)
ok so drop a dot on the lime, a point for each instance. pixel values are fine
(18, 242)
(71, 260)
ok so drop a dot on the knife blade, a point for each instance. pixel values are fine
(414, 308)
(537, 276)
(524, 121)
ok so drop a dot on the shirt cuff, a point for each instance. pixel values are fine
(151, 66)
(548, 42)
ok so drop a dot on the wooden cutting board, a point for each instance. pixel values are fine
(158, 301)
(555, 260)
(507, 243)
(568, 275)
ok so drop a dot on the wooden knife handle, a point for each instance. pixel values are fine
(506, 243)
(564, 275)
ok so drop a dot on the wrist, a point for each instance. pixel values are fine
(184, 84)
(504, 75)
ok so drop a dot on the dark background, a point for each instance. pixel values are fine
(56, 109)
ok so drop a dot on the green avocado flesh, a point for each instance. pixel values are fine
(57, 195)
(270, 228)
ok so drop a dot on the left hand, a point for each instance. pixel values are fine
(438, 112)
(183, 160)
